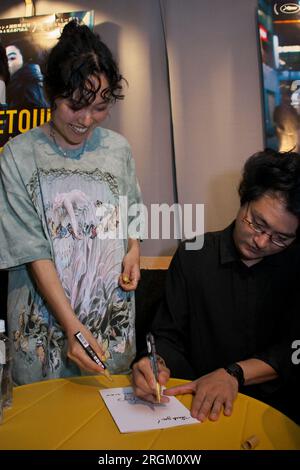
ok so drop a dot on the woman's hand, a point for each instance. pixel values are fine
(130, 276)
(211, 392)
(77, 353)
(143, 380)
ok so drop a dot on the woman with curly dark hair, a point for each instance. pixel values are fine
(66, 187)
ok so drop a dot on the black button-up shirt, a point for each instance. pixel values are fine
(218, 311)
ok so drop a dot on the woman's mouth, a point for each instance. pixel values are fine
(80, 130)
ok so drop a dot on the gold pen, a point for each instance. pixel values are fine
(153, 359)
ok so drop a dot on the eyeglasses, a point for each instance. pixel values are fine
(275, 239)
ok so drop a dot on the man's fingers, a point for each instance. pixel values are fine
(205, 409)
(163, 376)
(180, 389)
(143, 375)
(228, 407)
(142, 385)
(197, 403)
(216, 409)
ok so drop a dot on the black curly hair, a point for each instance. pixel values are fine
(79, 55)
(275, 173)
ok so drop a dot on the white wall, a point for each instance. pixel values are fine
(215, 88)
(216, 94)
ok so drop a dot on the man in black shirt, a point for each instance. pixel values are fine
(230, 309)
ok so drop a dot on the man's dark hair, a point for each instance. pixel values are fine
(272, 172)
(4, 70)
(78, 56)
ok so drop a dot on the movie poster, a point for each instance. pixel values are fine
(27, 41)
(279, 38)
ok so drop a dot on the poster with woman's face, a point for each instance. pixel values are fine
(27, 41)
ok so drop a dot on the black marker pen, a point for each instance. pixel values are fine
(91, 353)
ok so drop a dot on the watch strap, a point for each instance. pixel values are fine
(236, 371)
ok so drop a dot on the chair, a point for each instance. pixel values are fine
(149, 295)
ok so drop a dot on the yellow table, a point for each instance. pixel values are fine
(70, 414)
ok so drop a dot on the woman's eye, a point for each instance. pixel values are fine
(74, 105)
(100, 110)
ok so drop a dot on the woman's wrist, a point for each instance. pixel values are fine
(133, 246)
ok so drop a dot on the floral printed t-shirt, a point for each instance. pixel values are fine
(66, 208)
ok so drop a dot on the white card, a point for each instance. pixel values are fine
(132, 414)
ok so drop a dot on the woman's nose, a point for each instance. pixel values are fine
(85, 118)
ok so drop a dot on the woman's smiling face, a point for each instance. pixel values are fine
(73, 126)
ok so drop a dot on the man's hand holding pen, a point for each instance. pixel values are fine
(145, 384)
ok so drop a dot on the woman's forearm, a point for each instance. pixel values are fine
(50, 287)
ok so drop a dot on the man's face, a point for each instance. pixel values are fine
(15, 59)
(263, 227)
